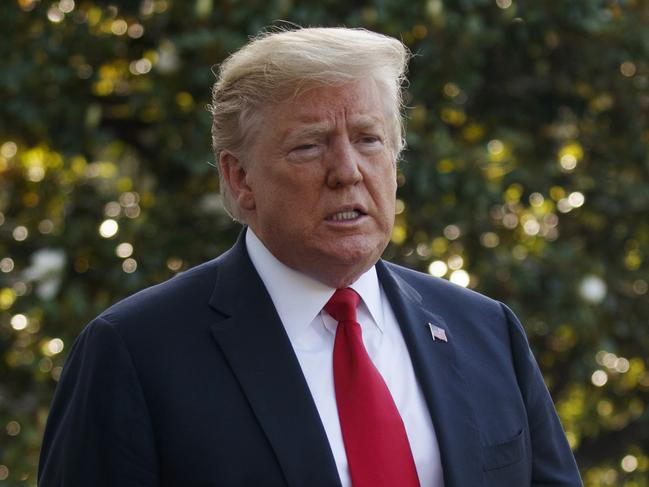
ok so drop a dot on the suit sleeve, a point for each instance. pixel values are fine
(99, 430)
(553, 463)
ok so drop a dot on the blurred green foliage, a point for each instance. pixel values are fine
(526, 178)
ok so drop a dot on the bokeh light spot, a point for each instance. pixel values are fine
(510, 220)
(536, 200)
(19, 322)
(54, 14)
(451, 90)
(640, 287)
(54, 346)
(8, 149)
(124, 250)
(20, 233)
(399, 234)
(129, 265)
(569, 155)
(141, 66)
(622, 365)
(112, 209)
(460, 277)
(438, 268)
(452, 232)
(531, 227)
(119, 27)
(455, 262)
(628, 69)
(495, 147)
(45, 226)
(490, 240)
(174, 264)
(7, 298)
(108, 228)
(576, 199)
(6, 264)
(592, 289)
(564, 206)
(66, 6)
(629, 463)
(135, 31)
(599, 378)
(13, 428)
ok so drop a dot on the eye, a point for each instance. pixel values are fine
(304, 152)
(370, 141)
(304, 147)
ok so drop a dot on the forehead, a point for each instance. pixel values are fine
(358, 103)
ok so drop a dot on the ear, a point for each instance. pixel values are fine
(235, 176)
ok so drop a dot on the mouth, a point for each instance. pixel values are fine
(346, 215)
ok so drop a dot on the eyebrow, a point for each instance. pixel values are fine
(318, 129)
(367, 122)
(315, 130)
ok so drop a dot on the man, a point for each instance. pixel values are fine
(299, 357)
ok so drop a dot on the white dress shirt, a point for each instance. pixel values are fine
(299, 301)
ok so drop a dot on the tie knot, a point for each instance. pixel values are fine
(342, 305)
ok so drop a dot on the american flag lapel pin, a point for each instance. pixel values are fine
(437, 333)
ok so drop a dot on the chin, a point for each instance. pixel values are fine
(354, 259)
(340, 261)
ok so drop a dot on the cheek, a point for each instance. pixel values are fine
(289, 193)
(388, 190)
(387, 181)
(300, 184)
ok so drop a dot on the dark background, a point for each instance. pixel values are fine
(526, 175)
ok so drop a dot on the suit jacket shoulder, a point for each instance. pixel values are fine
(475, 320)
(172, 298)
(189, 382)
(493, 391)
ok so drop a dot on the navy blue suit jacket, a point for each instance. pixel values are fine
(194, 382)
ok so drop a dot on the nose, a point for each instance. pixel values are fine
(343, 164)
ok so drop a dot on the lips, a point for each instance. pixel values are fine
(346, 215)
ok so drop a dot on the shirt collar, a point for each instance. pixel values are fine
(299, 298)
(367, 286)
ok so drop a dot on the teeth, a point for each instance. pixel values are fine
(345, 215)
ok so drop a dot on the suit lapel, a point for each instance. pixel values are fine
(440, 378)
(255, 344)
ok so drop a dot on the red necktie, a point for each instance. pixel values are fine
(378, 452)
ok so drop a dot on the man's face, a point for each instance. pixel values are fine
(321, 181)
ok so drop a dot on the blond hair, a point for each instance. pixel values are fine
(275, 66)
